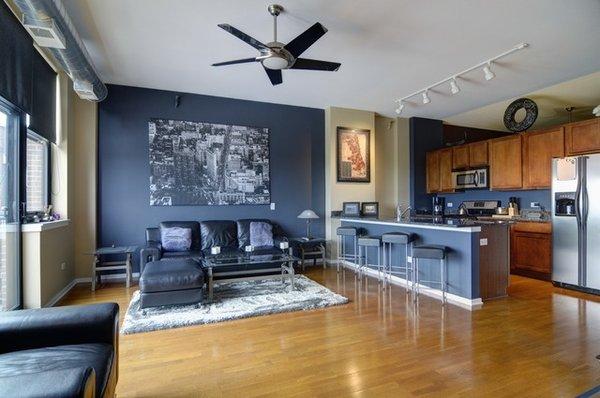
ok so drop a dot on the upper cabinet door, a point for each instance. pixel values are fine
(539, 147)
(582, 137)
(433, 171)
(460, 157)
(505, 162)
(446, 183)
(478, 154)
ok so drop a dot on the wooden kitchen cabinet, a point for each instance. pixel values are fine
(432, 170)
(539, 147)
(582, 137)
(531, 249)
(478, 154)
(446, 183)
(460, 157)
(505, 162)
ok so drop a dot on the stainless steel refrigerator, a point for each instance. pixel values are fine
(576, 222)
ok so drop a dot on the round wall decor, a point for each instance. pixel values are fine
(531, 113)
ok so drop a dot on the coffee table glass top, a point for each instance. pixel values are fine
(223, 260)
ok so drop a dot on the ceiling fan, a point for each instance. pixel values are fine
(275, 56)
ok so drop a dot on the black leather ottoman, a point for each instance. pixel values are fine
(171, 282)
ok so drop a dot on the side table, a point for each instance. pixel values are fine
(99, 266)
(314, 247)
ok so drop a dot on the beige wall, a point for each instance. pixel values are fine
(336, 193)
(393, 163)
(84, 180)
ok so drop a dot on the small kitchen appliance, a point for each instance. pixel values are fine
(438, 205)
(470, 179)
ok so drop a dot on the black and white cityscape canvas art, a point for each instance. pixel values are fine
(194, 163)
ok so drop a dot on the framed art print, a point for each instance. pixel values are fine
(351, 209)
(369, 209)
(353, 155)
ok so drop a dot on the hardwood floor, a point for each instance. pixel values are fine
(541, 341)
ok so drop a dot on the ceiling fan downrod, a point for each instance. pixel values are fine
(275, 10)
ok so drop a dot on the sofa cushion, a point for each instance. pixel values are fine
(72, 382)
(40, 360)
(243, 230)
(166, 275)
(218, 233)
(193, 225)
(176, 239)
(261, 234)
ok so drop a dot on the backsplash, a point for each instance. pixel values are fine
(543, 196)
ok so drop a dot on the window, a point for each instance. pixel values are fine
(36, 169)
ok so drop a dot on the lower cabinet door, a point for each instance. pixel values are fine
(531, 254)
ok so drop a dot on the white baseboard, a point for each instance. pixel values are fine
(58, 296)
(470, 304)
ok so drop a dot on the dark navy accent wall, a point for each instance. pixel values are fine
(425, 135)
(428, 135)
(297, 161)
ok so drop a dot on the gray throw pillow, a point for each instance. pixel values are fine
(176, 239)
(261, 234)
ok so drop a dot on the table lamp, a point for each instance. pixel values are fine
(308, 215)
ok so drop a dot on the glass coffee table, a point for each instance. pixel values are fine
(245, 265)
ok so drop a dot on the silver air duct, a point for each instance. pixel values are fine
(50, 26)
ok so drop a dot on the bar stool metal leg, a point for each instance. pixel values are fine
(443, 279)
(416, 278)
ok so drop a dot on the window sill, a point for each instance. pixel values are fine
(44, 226)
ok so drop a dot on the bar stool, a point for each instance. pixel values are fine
(343, 233)
(430, 252)
(389, 240)
(366, 242)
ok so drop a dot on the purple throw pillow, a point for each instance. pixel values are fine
(176, 239)
(261, 234)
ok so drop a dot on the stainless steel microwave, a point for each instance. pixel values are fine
(470, 179)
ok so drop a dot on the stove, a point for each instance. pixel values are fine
(478, 208)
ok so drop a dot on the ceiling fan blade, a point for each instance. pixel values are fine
(242, 36)
(315, 64)
(237, 61)
(305, 39)
(274, 76)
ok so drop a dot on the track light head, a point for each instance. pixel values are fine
(454, 89)
(487, 72)
(426, 99)
(399, 108)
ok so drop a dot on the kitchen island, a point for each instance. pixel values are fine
(478, 257)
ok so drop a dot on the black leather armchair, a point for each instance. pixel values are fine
(153, 251)
(60, 352)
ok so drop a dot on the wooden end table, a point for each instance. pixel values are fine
(310, 247)
(99, 266)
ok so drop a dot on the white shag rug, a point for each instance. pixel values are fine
(233, 300)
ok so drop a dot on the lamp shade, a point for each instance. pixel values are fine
(308, 214)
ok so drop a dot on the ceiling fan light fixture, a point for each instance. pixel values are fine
(454, 89)
(426, 99)
(275, 63)
(487, 72)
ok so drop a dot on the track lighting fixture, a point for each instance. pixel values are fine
(454, 88)
(426, 99)
(399, 108)
(487, 72)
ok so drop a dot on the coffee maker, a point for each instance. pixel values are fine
(438, 205)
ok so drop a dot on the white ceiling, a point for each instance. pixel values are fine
(582, 94)
(388, 48)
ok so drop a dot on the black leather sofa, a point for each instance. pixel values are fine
(231, 236)
(60, 352)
